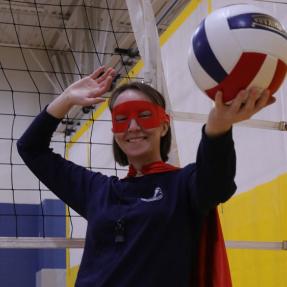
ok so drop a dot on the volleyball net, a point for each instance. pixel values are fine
(45, 46)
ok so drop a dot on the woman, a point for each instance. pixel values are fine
(157, 226)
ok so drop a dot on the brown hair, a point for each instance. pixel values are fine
(157, 98)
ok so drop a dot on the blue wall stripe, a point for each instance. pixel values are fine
(18, 267)
(205, 55)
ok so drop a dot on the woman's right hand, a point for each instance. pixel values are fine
(89, 90)
(243, 107)
(85, 92)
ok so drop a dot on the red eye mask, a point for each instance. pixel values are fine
(147, 115)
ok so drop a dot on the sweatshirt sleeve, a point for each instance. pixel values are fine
(70, 182)
(213, 181)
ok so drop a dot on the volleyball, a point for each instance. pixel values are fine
(237, 47)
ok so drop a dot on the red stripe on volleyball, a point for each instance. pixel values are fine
(240, 77)
(278, 77)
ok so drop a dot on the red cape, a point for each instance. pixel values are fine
(213, 267)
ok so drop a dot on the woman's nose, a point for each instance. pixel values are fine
(133, 125)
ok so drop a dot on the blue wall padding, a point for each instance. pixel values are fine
(18, 267)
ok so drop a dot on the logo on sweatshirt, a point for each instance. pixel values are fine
(158, 195)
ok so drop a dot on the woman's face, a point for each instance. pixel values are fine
(137, 130)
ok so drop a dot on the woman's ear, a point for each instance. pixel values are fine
(164, 130)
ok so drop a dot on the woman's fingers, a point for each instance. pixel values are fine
(219, 100)
(97, 72)
(94, 101)
(271, 100)
(263, 100)
(110, 72)
(245, 105)
(255, 101)
(239, 101)
(253, 96)
(108, 80)
(99, 89)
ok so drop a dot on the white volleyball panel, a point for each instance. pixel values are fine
(256, 40)
(266, 73)
(223, 44)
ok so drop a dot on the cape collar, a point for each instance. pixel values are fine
(154, 167)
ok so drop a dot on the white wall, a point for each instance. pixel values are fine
(261, 153)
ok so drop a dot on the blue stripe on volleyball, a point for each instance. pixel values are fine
(256, 21)
(205, 55)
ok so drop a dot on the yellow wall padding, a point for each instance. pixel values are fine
(258, 215)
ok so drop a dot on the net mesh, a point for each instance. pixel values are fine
(44, 47)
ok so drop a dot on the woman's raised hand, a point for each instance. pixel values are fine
(244, 106)
(89, 90)
(84, 92)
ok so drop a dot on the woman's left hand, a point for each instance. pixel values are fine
(244, 106)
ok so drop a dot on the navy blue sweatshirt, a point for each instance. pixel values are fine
(142, 231)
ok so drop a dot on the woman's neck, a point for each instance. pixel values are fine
(139, 164)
